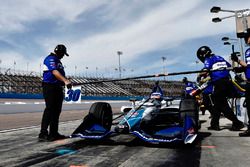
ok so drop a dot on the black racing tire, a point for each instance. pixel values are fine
(102, 113)
(189, 107)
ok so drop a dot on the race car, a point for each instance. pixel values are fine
(153, 120)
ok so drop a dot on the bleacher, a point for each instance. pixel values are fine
(31, 84)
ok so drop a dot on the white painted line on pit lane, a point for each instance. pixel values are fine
(84, 102)
(17, 129)
(38, 126)
(31, 127)
(9, 103)
(39, 102)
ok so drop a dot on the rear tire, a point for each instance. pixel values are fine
(102, 113)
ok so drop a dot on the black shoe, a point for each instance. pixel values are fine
(43, 137)
(245, 133)
(56, 137)
(217, 128)
(237, 127)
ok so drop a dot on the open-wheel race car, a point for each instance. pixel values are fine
(153, 120)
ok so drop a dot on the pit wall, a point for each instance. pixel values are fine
(40, 96)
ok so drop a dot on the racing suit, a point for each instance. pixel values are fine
(189, 87)
(158, 89)
(223, 88)
(247, 73)
(207, 98)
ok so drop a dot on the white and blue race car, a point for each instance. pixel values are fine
(153, 120)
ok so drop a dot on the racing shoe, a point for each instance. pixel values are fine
(237, 126)
(217, 128)
(245, 133)
(43, 137)
(56, 137)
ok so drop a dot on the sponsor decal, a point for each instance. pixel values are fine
(151, 139)
(248, 59)
(134, 114)
(219, 65)
(52, 64)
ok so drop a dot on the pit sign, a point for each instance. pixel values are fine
(73, 95)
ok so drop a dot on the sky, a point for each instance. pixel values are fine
(94, 31)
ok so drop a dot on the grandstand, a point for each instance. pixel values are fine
(31, 84)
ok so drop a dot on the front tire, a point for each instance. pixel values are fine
(102, 113)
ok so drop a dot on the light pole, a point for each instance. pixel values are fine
(234, 40)
(75, 70)
(115, 72)
(27, 67)
(216, 9)
(96, 69)
(242, 19)
(14, 66)
(40, 69)
(86, 71)
(132, 71)
(0, 65)
(163, 60)
(119, 59)
(164, 69)
(196, 62)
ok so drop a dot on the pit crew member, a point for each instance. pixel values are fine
(246, 65)
(53, 81)
(223, 87)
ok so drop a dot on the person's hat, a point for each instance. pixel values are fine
(61, 49)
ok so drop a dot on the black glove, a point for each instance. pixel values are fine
(238, 78)
(198, 79)
(239, 69)
(69, 86)
(234, 57)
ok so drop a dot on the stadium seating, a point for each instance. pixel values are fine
(31, 84)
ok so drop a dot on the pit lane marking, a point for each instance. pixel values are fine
(85, 102)
(31, 127)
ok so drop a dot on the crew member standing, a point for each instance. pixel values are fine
(53, 81)
(189, 88)
(157, 89)
(247, 74)
(207, 92)
(223, 87)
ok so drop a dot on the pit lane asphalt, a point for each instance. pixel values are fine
(223, 148)
(19, 113)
